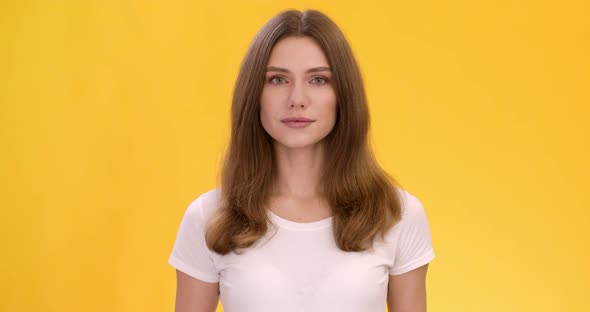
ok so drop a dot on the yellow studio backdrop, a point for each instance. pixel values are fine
(115, 115)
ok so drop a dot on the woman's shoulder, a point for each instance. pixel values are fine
(205, 204)
(413, 214)
(410, 204)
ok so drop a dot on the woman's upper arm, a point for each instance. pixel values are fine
(407, 292)
(194, 295)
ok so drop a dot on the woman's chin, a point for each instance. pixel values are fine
(296, 144)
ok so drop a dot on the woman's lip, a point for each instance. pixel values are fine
(297, 119)
(297, 124)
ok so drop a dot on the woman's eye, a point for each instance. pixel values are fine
(319, 80)
(280, 80)
(276, 79)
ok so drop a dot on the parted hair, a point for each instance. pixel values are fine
(362, 195)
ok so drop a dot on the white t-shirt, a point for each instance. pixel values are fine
(301, 268)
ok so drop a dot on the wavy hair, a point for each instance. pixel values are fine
(361, 194)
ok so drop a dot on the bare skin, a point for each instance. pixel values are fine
(298, 84)
(194, 295)
(407, 292)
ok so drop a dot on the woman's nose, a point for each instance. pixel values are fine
(298, 96)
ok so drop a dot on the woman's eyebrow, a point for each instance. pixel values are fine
(311, 70)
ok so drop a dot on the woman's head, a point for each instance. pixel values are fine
(360, 193)
(315, 33)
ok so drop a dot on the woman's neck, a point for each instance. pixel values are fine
(299, 171)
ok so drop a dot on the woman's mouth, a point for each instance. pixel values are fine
(297, 124)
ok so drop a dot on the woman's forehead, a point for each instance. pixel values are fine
(297, 54)
(307, 71)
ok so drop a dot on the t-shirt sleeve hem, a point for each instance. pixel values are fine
(181, 266)
(426, 258)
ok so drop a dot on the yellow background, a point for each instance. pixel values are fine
(115, 115)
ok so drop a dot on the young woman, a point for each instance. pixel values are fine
(305, 219)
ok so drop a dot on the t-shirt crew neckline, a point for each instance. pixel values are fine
(300, 226)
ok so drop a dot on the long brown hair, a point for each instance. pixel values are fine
(362, 196)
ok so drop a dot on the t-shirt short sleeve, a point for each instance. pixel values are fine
(414, 247)
(190, 253)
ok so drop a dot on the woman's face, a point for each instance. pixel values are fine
(298, 85)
